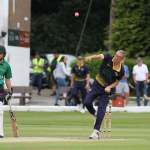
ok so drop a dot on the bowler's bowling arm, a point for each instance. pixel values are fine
(94, 57)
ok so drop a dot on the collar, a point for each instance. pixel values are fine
(1, 62)
(79, 65)
(117, 67)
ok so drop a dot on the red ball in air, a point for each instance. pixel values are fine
(76, 14)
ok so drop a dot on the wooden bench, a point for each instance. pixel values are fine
(22, 93)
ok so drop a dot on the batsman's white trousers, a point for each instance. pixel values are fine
(1, 121)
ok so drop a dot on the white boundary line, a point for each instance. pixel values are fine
(135, 109)
(55, 139)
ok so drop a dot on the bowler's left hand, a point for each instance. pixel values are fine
(108, 89)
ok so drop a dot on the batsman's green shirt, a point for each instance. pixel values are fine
(5, 72)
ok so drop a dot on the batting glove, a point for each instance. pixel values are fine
(8, 96)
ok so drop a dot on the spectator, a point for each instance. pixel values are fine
(123, 88)
(140, 77)
(47, 69)
(60, 74)
(53, 66)
(38, 70)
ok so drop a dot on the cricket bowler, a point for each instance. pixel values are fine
(110, 72)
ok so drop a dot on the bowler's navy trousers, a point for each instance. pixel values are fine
(103, 99)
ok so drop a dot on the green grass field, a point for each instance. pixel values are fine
(70, 131)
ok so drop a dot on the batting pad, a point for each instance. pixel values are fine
(1, 121)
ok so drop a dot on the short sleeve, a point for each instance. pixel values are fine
(8, 73)
(107, 58)
(126, 71)
(133, 71)
(146, 69)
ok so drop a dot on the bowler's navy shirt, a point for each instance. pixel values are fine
(107, 73)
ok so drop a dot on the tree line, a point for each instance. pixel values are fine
(55, 27)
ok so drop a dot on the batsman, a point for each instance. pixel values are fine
(5, 76)
(109, 74)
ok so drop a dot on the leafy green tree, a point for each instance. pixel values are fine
(131, 27)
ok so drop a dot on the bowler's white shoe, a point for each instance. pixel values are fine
(94, 135)
(82, 110)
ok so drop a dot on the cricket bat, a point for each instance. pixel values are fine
(15, 130)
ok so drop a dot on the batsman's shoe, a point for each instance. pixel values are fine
(94, 135)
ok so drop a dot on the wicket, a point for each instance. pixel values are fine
(105, 131)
